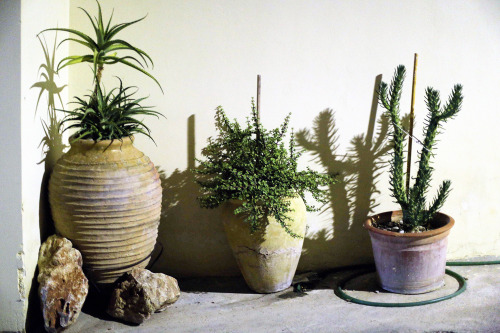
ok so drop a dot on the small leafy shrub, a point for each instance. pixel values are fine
(252, 164)
(417, 216)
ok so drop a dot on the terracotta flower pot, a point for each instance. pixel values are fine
(410, 263)
(105, 197)
(267, 259)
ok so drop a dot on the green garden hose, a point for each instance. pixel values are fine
(472, 263)
(460, 279)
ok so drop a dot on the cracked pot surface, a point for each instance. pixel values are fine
(268, 258)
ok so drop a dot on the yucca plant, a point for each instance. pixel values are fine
(104, 48)
(109, 116)
(252, 164)
(417, 215)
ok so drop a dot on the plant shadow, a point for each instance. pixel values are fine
(52, 143)
(193, 238)
(52, 149)
(351, 199)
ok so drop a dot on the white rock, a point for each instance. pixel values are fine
(63, 286)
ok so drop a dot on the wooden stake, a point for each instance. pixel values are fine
(412, 118)
(258, 109)
(191, 142)
(258, 97)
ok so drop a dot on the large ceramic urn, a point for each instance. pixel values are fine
(269, 257)
(105, 197)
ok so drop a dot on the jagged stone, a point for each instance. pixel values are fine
(63, 286)
(140, 293)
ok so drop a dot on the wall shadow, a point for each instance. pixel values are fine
(345, 242)
(193, 238)
(52, 149)
(51, 144)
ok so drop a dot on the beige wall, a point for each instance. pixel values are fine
(314, 55)
(11, 297)
(36, 16)
(22, 175)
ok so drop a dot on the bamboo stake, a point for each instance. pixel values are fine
(191, 142)
(258, 97)
(258, 109)
(412, 118)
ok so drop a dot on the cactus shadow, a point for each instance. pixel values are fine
(352, 198)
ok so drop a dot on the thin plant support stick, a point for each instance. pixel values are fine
(191, 142)
(258, 107)
(412, 118)
(258, 97)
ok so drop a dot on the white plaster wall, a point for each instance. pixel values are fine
(11, 299)
(21, 130)
(36, 16)
(314, 55)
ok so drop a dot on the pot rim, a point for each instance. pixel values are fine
(106, 143)
(450, 222)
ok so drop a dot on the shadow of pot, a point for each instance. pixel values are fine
(410, 263)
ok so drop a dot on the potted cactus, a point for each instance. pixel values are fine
(409, 245)
(254, 177)
(104, 194)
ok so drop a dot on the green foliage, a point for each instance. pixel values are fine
(416, 214)
(252, 164)
(103, 49)
(109, 116)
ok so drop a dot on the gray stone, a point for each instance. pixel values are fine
(140, 293)
(62, 285)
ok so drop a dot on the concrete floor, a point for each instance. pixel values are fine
(227, 305)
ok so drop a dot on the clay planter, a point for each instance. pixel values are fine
(105, 197)
(267, 259)
(410, 263)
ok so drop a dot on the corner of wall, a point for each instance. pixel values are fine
(31, 17)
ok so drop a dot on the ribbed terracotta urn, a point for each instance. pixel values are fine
(268, 258)
(105, 197)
